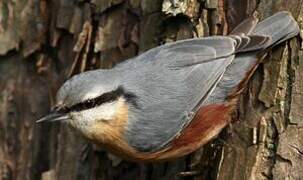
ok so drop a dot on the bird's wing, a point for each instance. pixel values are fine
(171, 82)
(279, 28)
(197, 50)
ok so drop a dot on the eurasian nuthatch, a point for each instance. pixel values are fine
(172, 99)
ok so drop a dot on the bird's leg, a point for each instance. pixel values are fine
(193, 166)
(115, 160)
(85, 151)
(190, 173)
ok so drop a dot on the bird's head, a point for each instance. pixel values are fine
(88, 99)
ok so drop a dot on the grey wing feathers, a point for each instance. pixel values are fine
(252, 43)
(185, 52)
(192, 51)
(256, 43)
(233, 75)
(197, 51)
(279, 27)
(170, 89)
(173, 80)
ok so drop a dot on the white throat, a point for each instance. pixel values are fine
(85, 119)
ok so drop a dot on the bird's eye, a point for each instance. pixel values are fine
(104, 98)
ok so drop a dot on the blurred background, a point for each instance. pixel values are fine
(44, 42)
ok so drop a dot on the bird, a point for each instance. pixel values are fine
(172, 99)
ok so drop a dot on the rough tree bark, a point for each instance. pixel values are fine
(44, 42)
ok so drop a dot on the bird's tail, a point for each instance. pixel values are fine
(279, 27)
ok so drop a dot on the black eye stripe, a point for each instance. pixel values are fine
(104, 98)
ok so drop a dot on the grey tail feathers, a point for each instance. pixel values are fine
(279, 27)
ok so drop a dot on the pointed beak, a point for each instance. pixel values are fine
(54, 116)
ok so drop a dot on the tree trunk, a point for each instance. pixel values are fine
(42, 43)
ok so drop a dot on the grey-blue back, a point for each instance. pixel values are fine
(172, 81)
